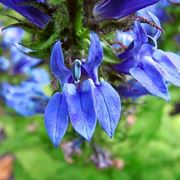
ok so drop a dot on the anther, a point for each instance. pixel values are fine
(76, 70)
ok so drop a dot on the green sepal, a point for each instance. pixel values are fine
(12, 17)
(24, 25)
(41, 49)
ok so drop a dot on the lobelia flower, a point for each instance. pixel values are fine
(83, 99)
(151, 67)
(107, 9)
(27, 99)
(34, 15)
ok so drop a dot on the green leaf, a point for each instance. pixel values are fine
(37, 163)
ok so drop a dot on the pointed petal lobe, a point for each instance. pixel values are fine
(108, 107)
(150, 77)
(125, 65)
(57, 65)
(56, 118)
(169, 64)
(95, 57)
(81, 107)
(140, 36)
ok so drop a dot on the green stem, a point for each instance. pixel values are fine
(73, 8)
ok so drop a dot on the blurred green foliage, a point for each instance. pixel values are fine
(151, 149)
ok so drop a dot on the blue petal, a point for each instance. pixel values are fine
(169, 64)
(95, 57)
(157, 32)
(175, 59)
(170, 74)
(108, 107)
(140, 36)
(151, 31)
(146, 50)
(172, 60)
(56, 118)
(81, 107)
(150, 78)
(125, 65)
(119, 8)
(132, 89)
(128, 53)
(57, 65)
(34, 15)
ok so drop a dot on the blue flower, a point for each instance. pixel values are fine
(27, 99)
(117, 9)
(151, 67)
(34, 15)
(83, 99)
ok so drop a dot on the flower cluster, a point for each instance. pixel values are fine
(151, 67)
(100, 50)
(27, 97)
